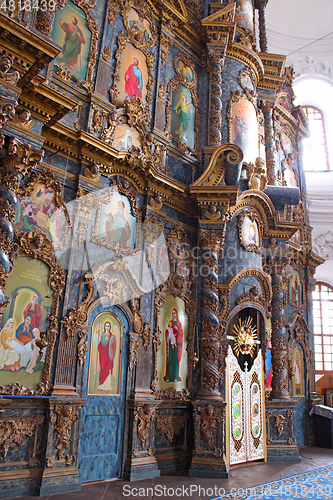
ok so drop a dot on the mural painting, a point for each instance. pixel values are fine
(244, 13)
(296, 289)
(298, 378)
(250, 232)
(133, 75)
(183, 116)
(105, 356)
(126, 137)
(24, 319)
(179, 255)
(115, 226)
(70, 31)
(244, 128)
(184, 70)
(172, 357)
(138, 26)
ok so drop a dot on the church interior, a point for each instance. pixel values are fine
(162, 219)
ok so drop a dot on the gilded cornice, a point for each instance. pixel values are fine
(273, 224)
(248, 57)
(36, 52)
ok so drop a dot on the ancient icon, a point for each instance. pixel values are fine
(184, 69)
(116, 226)
(22, 358)
(133, 75)
(244, 128)
(126, 137)
(250, 232)
(37, 211)
(183, 116)
(298, 377)
(105, 356)
(296, 289)
(244, 13)
(172, 357)
(70, 31)
(138, 26)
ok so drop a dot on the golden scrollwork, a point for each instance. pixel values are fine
(13, 430)
(256, 175)
(82, 346)
(144, 417)
(66, 416)
(133, 352)
(139, 34)
(171, 425)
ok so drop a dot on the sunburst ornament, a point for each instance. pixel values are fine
(245, 336)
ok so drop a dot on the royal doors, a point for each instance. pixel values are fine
(246, 410)
(102, 420)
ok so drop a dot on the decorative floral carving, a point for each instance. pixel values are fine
(144, 416)
(133, 352)
(108, 132)
(209, 417)
(7, 111)
(70, 322)
(106, 54)
(256, 175)
(66, 416)
(279, 423)
(253, 295)
(13, 430)
(146, 336)
(170, 425)
(145, 38)
(82, 346)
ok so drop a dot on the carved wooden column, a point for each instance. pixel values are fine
(279, 347)
(261, 6)
(269, 143)
(215, 68)
(45, 18)
(211, 241)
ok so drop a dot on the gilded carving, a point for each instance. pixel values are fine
(142, 31)
(279, 423)
(146, 336)
(209, 417)
(70, 322)
(13, 430)
(106, 54)
(144, 417)
(81, 231)
(253, 295)
(107, 134)
(165, 44)
(256, 175)
(6, 74)
(66, 416)
(133, 352)
(82, 346)
(7, 112)
(137, 318)
(171, 425)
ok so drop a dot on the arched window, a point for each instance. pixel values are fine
(323, 327)
(315, 155)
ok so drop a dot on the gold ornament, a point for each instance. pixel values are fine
(245, 337)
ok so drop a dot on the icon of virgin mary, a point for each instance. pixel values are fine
(174, 347)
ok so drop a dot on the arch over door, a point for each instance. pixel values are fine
(102, 417)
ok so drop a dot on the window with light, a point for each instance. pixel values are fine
(323, 327)
(315, 154)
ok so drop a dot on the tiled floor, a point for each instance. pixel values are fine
(197, 488)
